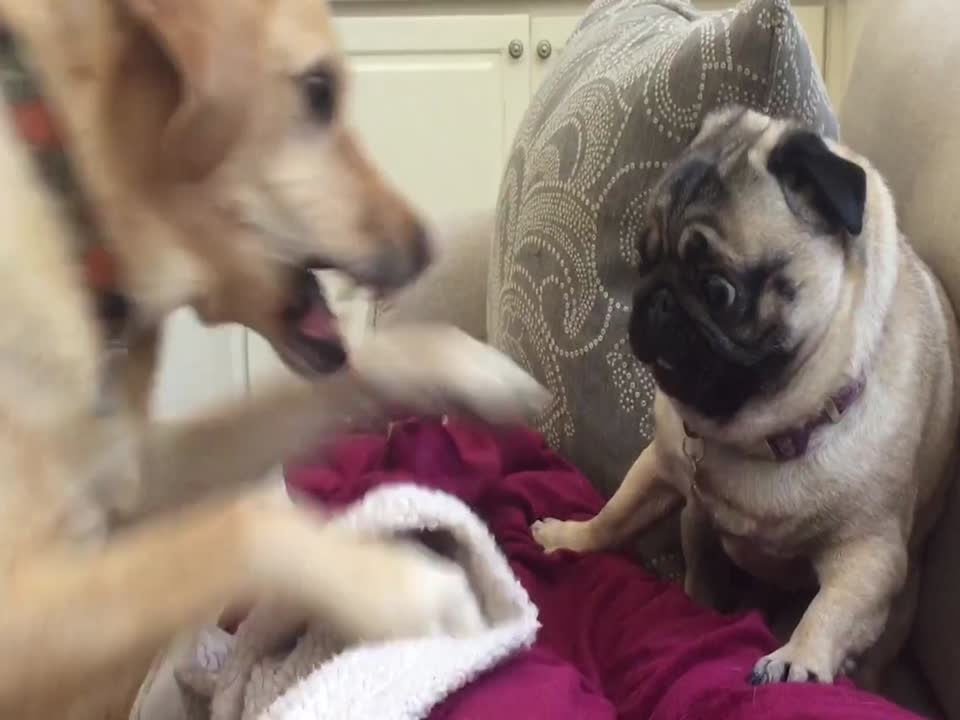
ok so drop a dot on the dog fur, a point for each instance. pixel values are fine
(823, 288)
(213, 177)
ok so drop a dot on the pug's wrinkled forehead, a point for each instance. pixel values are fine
(745, 167)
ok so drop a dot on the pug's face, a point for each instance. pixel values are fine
(749, 243)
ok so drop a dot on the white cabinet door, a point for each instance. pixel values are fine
(198, 365)
(548, 38)
(436, 99)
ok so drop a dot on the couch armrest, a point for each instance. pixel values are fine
(902, 114)
(453, 290)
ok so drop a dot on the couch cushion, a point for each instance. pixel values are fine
(628, 93)
(902, 110)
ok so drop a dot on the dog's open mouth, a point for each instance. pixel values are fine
(312, 343)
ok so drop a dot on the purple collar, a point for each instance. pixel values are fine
(794, 442)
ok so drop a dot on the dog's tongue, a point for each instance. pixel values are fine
(319, 324)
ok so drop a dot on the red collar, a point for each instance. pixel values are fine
(794, 442)
(38, 129)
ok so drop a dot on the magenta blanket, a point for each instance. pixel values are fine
(615, 641)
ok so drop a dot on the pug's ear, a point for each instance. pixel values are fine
(213, 48)
(832, 186)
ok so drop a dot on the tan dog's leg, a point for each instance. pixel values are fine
(418, 369)
(72, 619)
(241, 441)
(641, 499)
(858, 582)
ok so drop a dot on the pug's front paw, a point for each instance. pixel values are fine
(553, 535)
(792, 664)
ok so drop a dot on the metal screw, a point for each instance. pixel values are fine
(515, 48)
(544, 49)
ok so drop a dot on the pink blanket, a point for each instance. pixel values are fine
(615, 642)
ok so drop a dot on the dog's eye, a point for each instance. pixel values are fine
(320, 91)
(718, 292)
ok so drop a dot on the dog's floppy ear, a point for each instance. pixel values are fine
(213, 47)
(835, 187)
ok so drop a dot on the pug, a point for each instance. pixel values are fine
(807, 367)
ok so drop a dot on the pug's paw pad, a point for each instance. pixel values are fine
(553, 535)
(789, 665)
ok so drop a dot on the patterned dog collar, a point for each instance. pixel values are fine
(37, 127)
(794, 442)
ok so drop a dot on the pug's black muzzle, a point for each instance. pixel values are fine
(663, 335)
(691, 359)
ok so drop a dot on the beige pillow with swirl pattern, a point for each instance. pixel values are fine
(629, 91)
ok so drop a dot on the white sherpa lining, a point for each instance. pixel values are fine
(251, 676)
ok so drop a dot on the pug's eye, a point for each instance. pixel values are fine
(320, 92)
(718, 292)
(648, 247)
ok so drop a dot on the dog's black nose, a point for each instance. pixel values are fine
(421, 253)
(410, 256)
(663, 307)
(399, 261)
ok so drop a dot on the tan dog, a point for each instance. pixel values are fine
(208, 139)
(807, 366)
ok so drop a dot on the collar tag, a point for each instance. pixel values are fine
(693, 450)
(833, 411)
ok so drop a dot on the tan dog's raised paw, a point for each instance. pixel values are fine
(440, 369)
(432, 596)
(370, 589)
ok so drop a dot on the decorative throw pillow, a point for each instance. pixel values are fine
(629, 92)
